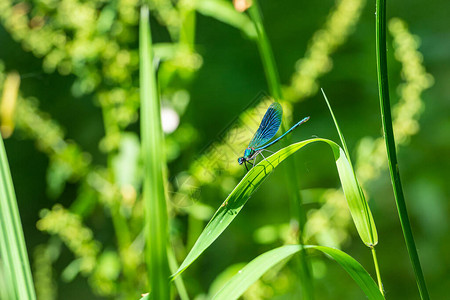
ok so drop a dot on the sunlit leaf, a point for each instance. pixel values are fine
(374, 235)
(240, 282)
(221, 279)
(152, 145)
(359, 209)
(14, 266)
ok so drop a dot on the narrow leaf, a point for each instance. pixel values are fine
(359, 209)
(373, 232)
(341, 136)
(13, 252)
(152, 146)
(239, 283)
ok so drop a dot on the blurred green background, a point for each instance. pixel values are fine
(72, 140)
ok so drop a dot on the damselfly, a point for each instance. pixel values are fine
(267, 129)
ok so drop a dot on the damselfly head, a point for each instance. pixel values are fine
(240, 160)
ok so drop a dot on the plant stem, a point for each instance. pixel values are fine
(179, 283)
(383, 87)
(266, 53)
(273, 80)
(377, 269)
(187, 30)
(152, 143)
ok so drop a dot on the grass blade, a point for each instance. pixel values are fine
(152, 146)
(256, 176)
(239, 283)
(341, 136)
(266, 53)
(385, 105)
(366, 210)
(359, 209)
(13, 252)
(344, 144)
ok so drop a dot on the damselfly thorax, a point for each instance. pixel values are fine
(249, 154)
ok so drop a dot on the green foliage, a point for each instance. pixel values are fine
(386, 118)
(14, 264)
(255, 177)
(361, 192)
(153, 190)
(359, 208)
(235, 287)
(78, 63)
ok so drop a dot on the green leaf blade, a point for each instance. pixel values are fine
(15, 264)
(156, 220)
(355, 270)
(254, 178)
(249, 274)
(239, 283)
(358, 205)
(359, 208)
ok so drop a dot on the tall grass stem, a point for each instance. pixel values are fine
(377, 270)
(265, 50)
(273, 80)
(152, 143)
(383, 88)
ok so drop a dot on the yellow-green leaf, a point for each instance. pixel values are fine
(240, 282)
(254, 178)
